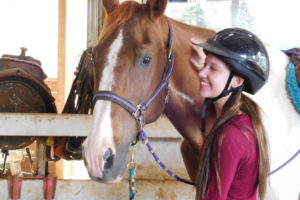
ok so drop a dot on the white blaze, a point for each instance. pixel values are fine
(102, 121)
(107, 79)
(101, 137)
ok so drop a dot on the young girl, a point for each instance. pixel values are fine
(234, 159)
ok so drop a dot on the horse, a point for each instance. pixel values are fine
(140, 63)
(131, 60)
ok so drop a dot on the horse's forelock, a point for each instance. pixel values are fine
(118, 18)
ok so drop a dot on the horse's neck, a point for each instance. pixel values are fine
(184, 108)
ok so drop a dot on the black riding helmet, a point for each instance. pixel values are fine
(245, 54)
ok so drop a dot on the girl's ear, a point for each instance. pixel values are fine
(237, 81)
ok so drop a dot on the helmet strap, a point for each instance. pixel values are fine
(224, 93)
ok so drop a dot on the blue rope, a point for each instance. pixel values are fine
(292, 85)
(132, 185)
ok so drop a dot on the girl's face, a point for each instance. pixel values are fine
(213, 77)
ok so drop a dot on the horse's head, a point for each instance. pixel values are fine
(130, 61)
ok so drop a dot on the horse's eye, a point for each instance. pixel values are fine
(147, 60)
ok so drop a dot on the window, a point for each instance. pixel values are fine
(32, 24)
(275, 22)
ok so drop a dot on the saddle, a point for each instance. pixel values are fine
(23, 90)
(296, 60)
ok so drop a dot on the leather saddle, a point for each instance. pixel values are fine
(22, 90)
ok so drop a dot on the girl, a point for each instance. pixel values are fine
(234, 162)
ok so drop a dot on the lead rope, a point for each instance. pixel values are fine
(131, 166)
(161, 164)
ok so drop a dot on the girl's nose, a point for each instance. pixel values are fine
(202, 72)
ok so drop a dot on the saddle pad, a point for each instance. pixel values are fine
(292, 85)
(296, 61)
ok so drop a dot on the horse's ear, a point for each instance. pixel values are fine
(156, 7)
(110, 5)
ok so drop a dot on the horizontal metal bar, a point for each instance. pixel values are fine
(44, 124)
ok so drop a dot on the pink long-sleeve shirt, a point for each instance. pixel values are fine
(238, 162)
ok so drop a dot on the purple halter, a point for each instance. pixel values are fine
(138, 110)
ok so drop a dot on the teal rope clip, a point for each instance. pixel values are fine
(131, 166)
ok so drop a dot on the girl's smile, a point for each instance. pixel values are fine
(213, 76)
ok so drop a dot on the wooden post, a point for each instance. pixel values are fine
(41, 156)
(61, 72)
(92, 22)
(61, 65)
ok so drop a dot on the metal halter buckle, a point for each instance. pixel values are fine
(139, 116)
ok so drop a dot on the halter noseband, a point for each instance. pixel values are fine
(137, 111)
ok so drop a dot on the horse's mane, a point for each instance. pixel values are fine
(118, 18)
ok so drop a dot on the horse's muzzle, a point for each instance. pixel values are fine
(107, 171)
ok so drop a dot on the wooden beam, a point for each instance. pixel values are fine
(44, 124)
(40, 124)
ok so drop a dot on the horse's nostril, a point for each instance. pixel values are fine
(108, 159)
(107, 154)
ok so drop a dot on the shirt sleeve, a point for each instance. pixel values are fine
(230, 146)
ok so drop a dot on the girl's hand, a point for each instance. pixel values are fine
(198, 56)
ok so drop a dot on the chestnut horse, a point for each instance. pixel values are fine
(130, 61)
